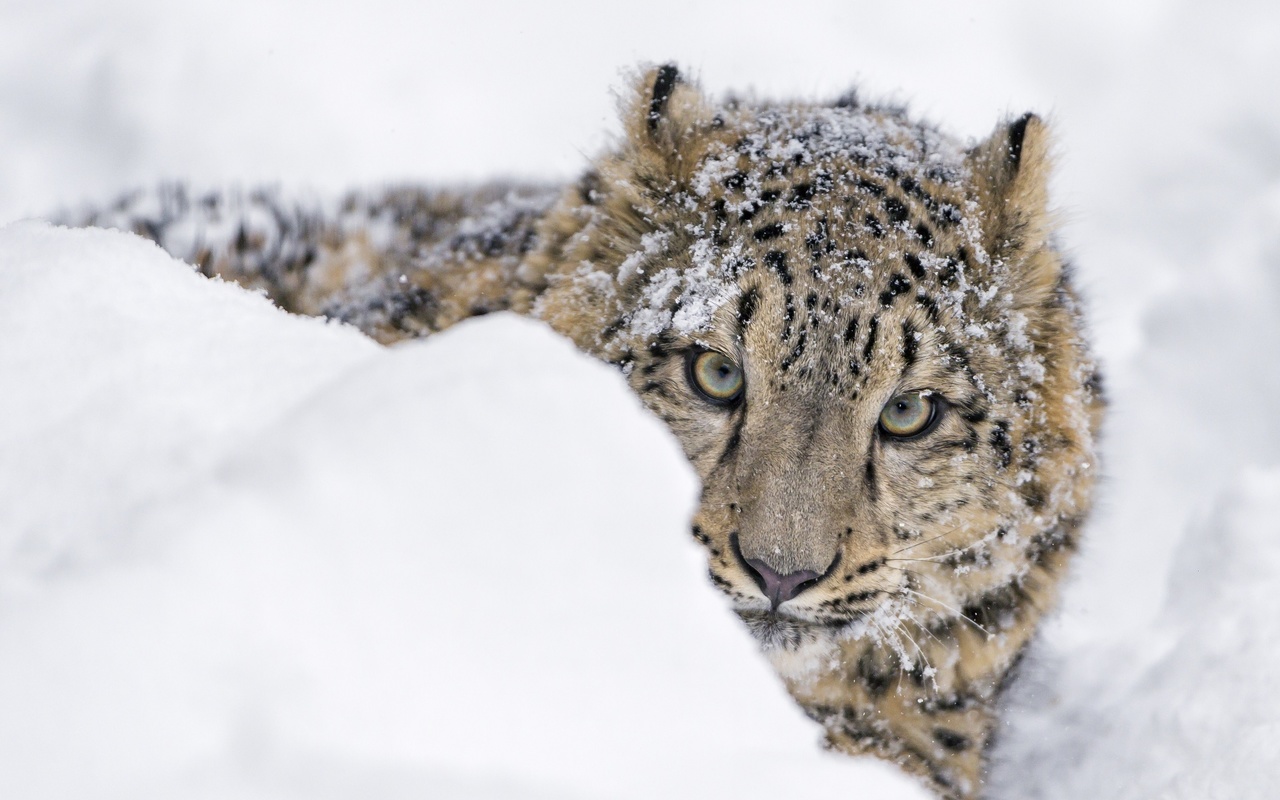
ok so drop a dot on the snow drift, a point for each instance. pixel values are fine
(253, 555)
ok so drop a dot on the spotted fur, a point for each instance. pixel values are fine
(841, 254)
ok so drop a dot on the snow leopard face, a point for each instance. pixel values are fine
(870, 351)
(863, 340)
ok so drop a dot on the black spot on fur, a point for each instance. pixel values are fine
(1032, 494)
(912, 187)
(818, 242)
(747, 308)
(719, 582)
(777, 261)
(952, 740)
(947, 216)
(950, 273)
(913, 264)
(898, 284)
(663, 85)
(870, 186)
(735, 181)
(1001, 444)
(869, 347)
(796, 351)
(735, 439)
(973, 414)
(851, 330)
(870, 566)
(768, 232)
(997, 608)
(896, 210)
(925, 234)
(801, 196)
(875, 226)
(909, 343)
(930, 307)
(876, 677)
(860, 597)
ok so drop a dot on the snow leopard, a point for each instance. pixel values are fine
(861, 330)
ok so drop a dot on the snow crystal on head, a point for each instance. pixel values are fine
(699, 290)
(651, 244)
(687, 299)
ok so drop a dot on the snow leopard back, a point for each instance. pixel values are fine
(396, 263)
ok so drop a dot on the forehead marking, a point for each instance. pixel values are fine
(913, 264)
(898, 284)
(869, 348)
(909, 344)
(777, 261)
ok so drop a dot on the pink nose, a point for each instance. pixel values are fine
(777, 587)
(780, 588)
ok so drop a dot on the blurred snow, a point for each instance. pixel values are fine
(221, 527)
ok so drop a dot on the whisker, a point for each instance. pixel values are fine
(895, 644)
(920, 652)
(947, 532)
(950, 553)
(948, 608)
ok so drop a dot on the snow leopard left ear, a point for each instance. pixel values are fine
(663, 118)
(1011, 182)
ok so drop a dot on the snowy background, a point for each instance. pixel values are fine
(254, 556)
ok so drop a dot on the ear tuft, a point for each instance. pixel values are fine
(663, 84)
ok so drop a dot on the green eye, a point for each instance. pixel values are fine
(908, 414)
(715, 377)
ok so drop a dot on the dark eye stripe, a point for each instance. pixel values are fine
(716, 377)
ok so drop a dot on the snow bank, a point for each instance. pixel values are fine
(284, 563)
(106, 405)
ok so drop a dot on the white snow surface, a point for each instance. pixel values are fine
(249, 555)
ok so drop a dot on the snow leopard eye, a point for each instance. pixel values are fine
(909, 414)
(715, 377)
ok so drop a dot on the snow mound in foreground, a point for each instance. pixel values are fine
(251, 555)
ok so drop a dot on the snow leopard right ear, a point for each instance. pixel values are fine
(663, 118)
